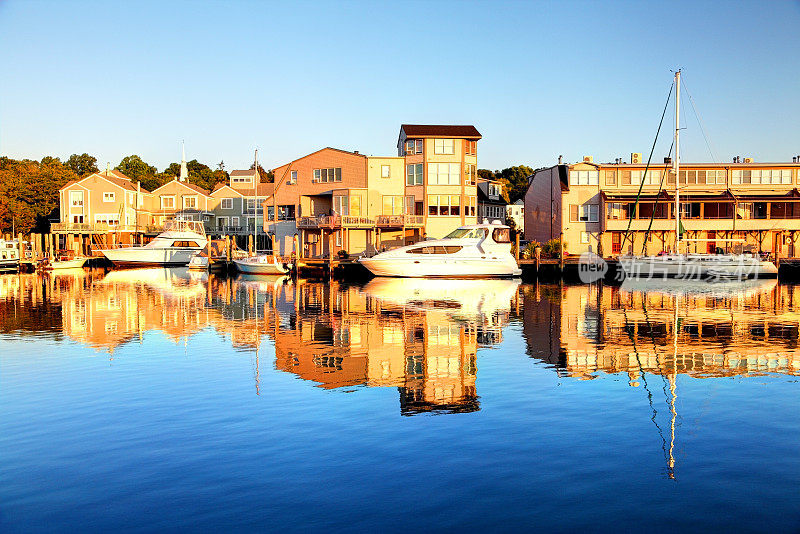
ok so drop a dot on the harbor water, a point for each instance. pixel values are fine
(166, 400)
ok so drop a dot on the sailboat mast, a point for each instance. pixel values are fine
(676, 166)
(255, 205)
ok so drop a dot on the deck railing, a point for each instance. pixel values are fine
(396, 221)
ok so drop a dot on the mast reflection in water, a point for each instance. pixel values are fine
(221, 389)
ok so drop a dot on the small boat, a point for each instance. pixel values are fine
(472, 251)
(213, 257)
(9, 255)
(63, 261)
(176, 245)
(261, 264)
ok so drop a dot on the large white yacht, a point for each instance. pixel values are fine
(473, 251)
(176, 245)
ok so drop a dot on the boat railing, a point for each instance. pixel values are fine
(184, 225)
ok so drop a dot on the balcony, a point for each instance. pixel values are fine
(335, 221)
(399, 221)
(92, 228)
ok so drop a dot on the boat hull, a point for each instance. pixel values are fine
(143, 256)
(442, 268)
(256, 265)
(76, 263)
(697, 267)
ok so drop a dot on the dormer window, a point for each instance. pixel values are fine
(444, 146)
(413, 146)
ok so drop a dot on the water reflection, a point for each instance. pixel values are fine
(418, 336)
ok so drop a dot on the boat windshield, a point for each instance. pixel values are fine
(467, 233)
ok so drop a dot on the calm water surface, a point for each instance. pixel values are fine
(151, 400)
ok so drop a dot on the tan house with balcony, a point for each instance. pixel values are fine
(337, 200)
(743, 205)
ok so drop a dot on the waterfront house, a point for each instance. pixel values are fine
(739, 206)
(516, 212)
(491, 204)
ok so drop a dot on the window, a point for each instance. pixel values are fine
(444, 205)
(584, 177)
(501, 235)
(341, 205)
(355, 205)
(292, 178)
(444, 146)
(167, 203)
(386, 171)
(469, 206)
(434, 250)
(222, 221)
(471, 148)
(286, 212)
(444, 173)
(189, 203)
(414, 174)
(393, 205)
(227, 203)
(611, 177)
(234, 221)
(77, 219)
(328, 175)
(185, 244)
(413, 146)
(584, 212)
(131, 199)
(109, 197)
(690, 210)
(470, 174)
(761, 176)
(110, 219)
(585, 238)
(254, 206)
(494, 190)
(76, 199)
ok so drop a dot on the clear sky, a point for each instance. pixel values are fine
(538, 79)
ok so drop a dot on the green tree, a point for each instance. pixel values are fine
(29, 192)
(136, 169)
(266, 176)
(82, 164)
(513, 179)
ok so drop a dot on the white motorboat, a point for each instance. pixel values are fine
(693, 266)
(473, 251)
(9, 255)
(64, 262)
(261, 264)
(176, 245)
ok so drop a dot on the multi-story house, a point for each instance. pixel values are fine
(743, 205)
(238, 205)
(516, 212)
(441, 174)
(491, 204)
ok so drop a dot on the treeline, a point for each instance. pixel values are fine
(29, 188)
(514, 180)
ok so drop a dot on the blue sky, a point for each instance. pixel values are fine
(538, 79)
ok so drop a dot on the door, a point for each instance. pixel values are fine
(712, 244)
(616, 243)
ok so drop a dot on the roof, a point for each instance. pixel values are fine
(353, 153)
(441, 130)
(191, 186)
(113, 176)
(249, 172)
(261, 190)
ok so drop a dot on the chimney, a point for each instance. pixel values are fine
(355, 151)
(560, 157)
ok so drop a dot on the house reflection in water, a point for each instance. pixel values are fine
(702, 331)
(418, 336)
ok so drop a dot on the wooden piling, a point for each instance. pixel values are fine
(250, 244)
(516, 247)
(561, 254)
